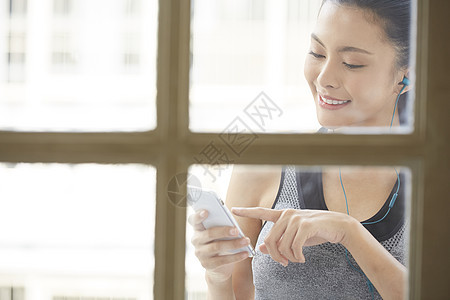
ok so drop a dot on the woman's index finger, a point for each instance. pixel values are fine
(261, 213)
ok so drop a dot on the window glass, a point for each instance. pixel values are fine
(309, 187)
(253, 60)
(78, 65)
(81, 231)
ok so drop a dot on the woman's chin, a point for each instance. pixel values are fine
(328, 120)
(331, 124)
(332, 121)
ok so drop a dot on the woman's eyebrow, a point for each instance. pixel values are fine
(316, 38)
(354, 49)
(342, 49)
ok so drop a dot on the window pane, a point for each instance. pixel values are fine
(71, 65)
(250, 61)
(315, 188)
(77, 231)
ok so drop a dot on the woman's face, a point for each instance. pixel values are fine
(351, 69)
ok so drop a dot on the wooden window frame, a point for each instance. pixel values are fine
(171, 148)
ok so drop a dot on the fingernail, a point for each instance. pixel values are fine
(203, 213)
(245, 241)
(233, 231)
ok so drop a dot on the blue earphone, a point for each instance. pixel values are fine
(405, 82)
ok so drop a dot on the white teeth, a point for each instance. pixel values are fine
(333, 102)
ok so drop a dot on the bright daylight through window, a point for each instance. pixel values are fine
(82, 231)
(78, 65)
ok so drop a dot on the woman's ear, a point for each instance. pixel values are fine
(404, 84)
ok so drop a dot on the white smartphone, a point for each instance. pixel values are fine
(218, 214)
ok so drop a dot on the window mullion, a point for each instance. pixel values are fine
(64, 147)
(172, 115)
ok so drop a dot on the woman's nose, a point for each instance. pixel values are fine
(328, 76)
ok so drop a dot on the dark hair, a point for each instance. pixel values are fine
(395, 18)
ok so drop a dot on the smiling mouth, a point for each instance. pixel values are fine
(329, 103)
(332, 101)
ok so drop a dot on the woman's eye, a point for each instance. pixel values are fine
(316, 55)
(350, 66)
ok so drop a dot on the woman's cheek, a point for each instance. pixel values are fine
(311, 71)
(363, 90)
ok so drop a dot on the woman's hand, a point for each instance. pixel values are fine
(210, 250)
(295, 228)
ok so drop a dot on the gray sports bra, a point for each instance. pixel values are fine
(326, 273)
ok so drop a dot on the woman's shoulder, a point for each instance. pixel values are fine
(253, 186)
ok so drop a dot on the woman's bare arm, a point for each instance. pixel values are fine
(387, 274)
(248, 188)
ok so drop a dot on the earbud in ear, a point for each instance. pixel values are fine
(405, 81)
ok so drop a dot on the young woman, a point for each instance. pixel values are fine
(337, 233)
